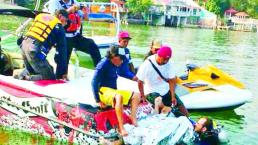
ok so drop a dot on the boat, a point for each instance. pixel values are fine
(208, 87)
(204, 88)
(43, 107)
(95, 12)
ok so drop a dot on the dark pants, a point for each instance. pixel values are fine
(35, 68)
(85, 45)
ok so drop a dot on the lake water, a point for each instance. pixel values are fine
(233, 52)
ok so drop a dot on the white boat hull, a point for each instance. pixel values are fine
(79, 90)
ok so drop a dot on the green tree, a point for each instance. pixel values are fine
(138, 6)
(213, 6)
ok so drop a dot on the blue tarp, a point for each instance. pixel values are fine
(101, 17)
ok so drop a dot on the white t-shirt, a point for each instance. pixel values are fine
(152, 80)
(54, 5)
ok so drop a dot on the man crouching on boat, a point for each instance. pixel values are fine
(158, 74)
(104, 85)
(45, 32)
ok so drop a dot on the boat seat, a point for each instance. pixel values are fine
(184, 77)
(195, 85)
(93, 109)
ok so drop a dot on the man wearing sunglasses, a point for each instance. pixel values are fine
(158, 74)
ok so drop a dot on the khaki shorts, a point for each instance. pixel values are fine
(107, 95)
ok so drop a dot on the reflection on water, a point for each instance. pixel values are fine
(233, 52)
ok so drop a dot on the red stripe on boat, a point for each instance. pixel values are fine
(18, 91)
(44, 83)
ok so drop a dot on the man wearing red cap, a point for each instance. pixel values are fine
(123, 41)
(158, 74)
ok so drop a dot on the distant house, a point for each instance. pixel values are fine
(242, 22)
(207, 19)
(230, 13)
(179, 12)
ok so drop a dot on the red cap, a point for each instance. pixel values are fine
(124, 35)
(165, 52)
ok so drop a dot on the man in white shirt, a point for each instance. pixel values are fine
(160, 88)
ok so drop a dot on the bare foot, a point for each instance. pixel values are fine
(123, 132)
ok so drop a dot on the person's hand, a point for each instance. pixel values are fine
(102, 105)
(174, 102)
(135, 78)
(143, 99)
(65, 77)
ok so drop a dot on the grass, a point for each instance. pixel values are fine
(9, 136)
(10, 23)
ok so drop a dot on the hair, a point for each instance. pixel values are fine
(208, 123)
(113, 52)
(63, 12)
(210, 136)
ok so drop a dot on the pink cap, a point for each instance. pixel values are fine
(165, 52)
(124, 35)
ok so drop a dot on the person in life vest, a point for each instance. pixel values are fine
(74, 37)
(205, 134)
(45, 32)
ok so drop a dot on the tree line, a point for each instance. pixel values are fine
(219, 6)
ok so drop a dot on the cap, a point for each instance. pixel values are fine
(165, 52)
(113, 51)
(124, 35)
(63, 12)
(156, 43)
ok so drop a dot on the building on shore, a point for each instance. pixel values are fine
(181, 13)
(239, 21)
(242, 22)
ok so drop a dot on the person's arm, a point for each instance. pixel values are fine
(97, 78)
(141, 90)
(141, 74)
(61, 52)
(172, 84)
(131, 66)
(124, 71)
(172, 81)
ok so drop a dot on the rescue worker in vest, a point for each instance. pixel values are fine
(45, 32)
(73, 30)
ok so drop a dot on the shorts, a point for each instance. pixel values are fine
(107, 95)
(166, 99)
